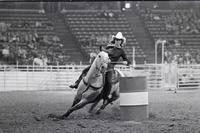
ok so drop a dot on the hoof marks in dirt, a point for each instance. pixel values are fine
(81, 125)
(54, 117)
(51, 116)
(37, 118)
(152, 115)
(171, 125)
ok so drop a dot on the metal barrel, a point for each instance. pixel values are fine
(133, 98)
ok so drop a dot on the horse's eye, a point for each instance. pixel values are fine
(99, 56)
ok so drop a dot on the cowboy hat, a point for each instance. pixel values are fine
(118, 36)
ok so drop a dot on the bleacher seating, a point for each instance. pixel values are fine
(84, 23)
(29, 16)
(23, 23)
(157, 28)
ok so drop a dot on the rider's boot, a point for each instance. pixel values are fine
(106, 91)
(75, 85)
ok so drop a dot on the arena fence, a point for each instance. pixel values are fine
(159, 76)
(188, 76)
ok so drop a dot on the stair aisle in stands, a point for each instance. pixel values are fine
(67, 39)
(142, 35)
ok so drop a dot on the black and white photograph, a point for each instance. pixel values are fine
(99, 66)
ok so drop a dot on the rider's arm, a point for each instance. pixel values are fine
(124, 57)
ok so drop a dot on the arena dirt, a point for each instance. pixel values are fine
(26, 112)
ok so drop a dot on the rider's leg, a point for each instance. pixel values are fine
(108, 85)
(80, 77)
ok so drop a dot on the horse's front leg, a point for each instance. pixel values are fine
(77, 99)
(80, 105)
(105, 103)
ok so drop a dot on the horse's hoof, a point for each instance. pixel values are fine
(58, 118)
(98, 112)
(55, 119)
(90, 111)
(62, 117)
(51, 116)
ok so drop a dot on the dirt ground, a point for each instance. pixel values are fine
(26, 112)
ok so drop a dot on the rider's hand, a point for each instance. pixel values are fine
(125, 62)
(100, 47)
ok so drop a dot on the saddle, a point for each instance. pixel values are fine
(115, 77)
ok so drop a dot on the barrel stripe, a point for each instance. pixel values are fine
(134, 98)
(132, 84)
(131, 91)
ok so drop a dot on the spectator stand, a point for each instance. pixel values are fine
(174, 25)
(94, 28)
(27, 33)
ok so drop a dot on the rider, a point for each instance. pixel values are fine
(115, 51)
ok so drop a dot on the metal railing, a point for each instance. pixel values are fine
(25, 77)
(159, 76)
(188, 76)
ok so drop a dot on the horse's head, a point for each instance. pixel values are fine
(102, 61)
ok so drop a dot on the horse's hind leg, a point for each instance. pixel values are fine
(114, 97)
(94, 105)
(80, 105)
(105, 103)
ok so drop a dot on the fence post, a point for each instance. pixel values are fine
(4, 69)
(163, 74)
(177, 78)
(16, 73)
(27, 77)
(52, 75)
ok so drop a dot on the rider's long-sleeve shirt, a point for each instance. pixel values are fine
(115, 54)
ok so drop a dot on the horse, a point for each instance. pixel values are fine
(90, 86)
(114, 93)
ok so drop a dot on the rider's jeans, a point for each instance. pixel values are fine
(108, 84)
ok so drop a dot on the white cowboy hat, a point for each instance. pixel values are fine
(119, 36)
